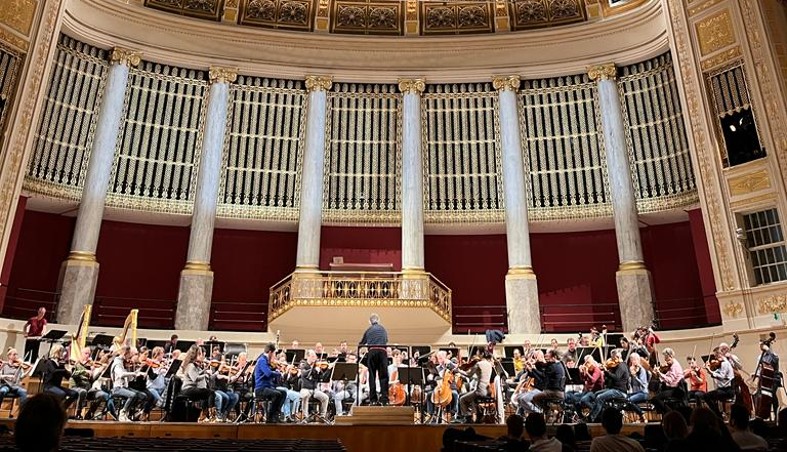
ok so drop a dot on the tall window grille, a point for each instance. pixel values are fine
(70, 110)
(462, 166)
(9, 67)
(765, 241)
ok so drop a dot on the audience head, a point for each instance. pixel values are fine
(515, 426)
(612, 421)
(565, 434)
(703, 421)
(536, 426)
(674, 426)
(40, 424)
(739, 417)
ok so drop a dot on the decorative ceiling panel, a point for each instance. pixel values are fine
(203, 9)
(281, 14)
(368, 18)
(544, 13)
(456, 18)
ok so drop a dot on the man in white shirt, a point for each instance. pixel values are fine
(613, 441)
(723, 377)
(744, 438)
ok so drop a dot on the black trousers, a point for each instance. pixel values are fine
(673, 395)
(276, 398)
(713, 398)
(31, 350)
(378, 368)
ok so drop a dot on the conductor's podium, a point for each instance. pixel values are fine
(378, 415)
(415, 307)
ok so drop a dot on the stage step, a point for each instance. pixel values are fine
(378, 415)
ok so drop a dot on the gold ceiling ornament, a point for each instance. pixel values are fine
(775, 304)
(607, 71)
(318, 82)
(733, 309)
(715, 32)
(218, 74)
(120, 55)
(749, 183)
(412, 85)
(506, 82)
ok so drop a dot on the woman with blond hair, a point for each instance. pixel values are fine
(53, 375)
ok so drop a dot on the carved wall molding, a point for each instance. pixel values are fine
(715, 32)
(749, 183)
(721, 59)
(18, 15)
(202, 9)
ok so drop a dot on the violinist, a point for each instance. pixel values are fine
(638, 385)
(82, 378)
(344, 390)
(555, 380)
(616, 377)
(54, 373)
(311, 374)
(10, 374)
(289, 384)
(670, 374)
(721, 371)
(224, 399)
(100, 389)
(482, 370)
(265, 377)
(519, 361)
(157, 369)
(243, 386)
(698, 380)
(593, 378)
(531, 384)
(571, 356)
(121, 376)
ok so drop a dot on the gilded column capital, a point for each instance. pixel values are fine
(506, 82)
(318, 82)
(412, 85)
(607, 71)
(218, 74)
(124, 56)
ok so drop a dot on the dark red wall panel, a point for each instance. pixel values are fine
(704, 266)
(361, 246)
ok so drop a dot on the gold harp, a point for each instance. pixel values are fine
(129, 327)
(80, 338)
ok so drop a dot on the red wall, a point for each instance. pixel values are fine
(361, 246)
(13, 241)
(704, 265)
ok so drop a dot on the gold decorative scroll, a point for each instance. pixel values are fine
(126, 57)
(319, 82)
(773, 305)
(749, 183)
(412, 86)
(18, 14)
(722, 58)
(733, 309)
(12, 39)
(715, 32)
(607, 71)
(506, 82)
(219, 74)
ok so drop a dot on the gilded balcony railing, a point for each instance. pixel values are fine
(361, 289)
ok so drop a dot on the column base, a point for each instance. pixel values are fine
(524, 316)
(194, 296)
(78, 279)
(635, 296)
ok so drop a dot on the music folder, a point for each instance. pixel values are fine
(53, 335)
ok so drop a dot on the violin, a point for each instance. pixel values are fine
(611, 363)
(713, 364)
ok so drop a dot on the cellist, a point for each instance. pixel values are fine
(445, 370)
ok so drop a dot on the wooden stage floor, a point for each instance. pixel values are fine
(356, 438)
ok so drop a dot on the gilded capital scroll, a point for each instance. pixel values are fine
(412, 85)
(506, 82)
(218, 74)
(607, 71)
(126, 57)
(319, 82)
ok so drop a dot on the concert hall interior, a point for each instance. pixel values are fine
(479, 175)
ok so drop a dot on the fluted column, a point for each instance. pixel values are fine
(521, 286)
(635, 289)
(79, 273)
(196, 279)
(412, 177)
(310, 219)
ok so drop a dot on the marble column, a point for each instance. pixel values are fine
(524, 315)
(635, 288)
(310, 219)
(412, 177)
(79, 273)
(196, 279)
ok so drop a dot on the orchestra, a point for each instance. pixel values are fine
(227, 387)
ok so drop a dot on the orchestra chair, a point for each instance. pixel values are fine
(486, 407)
(10, 401)
(555, 409)
(182, 408)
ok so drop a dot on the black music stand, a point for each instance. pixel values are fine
(411, 377)
(573, 377)
(295, 355)
(509, 350)
(170, 395)
(52, 337)
(508, 366)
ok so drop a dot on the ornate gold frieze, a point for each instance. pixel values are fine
(753, 201)
(607, 71)
(412, 85)
(721, 59)
(749, 183)
(369, 18)
(506, 82)
(219, 74)
(694, 10)
(202, 9)
(10, 38)
(280, 14)
(456, 17)
(775, 304)
(715, 32)
(527, 14)
(733, 309)
(318, 83)
(18, 14)
(126, 57)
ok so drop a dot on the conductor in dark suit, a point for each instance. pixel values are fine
(375, 339)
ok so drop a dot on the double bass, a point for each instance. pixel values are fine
(766, 382)
(742, 393)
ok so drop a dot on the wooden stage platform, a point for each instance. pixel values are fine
(356, 438)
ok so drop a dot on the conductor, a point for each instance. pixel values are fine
(375, 339)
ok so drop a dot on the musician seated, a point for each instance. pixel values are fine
(555, 384)
(698, 380)
(265, 378)
(243, 386)
(616, 378)
(593, 379)
(100, 390)
(444, 368)
(10, 374)
(290, 385)
(670, 374)
(345, 390)
(482, 370)
(571, 354)
(311, 374)
(722, 373)
(122, 374)
(156, 382)
(224, 399)
(82, 379)
(638, 385)
(53, 375)
(531, 383)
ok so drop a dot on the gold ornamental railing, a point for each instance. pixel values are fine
(361, 289)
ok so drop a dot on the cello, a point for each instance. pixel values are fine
(742, 393)
(766, 378)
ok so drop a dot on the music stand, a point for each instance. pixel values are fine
(38, 367)
(509, 350)
(52, 337)
(295, 355)
(410, 377)
(573, 376)
(508, 366)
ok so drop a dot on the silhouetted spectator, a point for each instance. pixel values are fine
(613, 441)
(707, 433)
(565, 434)
(40, 424)
(739, 422)
(513, 440)
(536, 428)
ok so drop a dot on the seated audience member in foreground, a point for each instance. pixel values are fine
(536, 428)
(707, 433)
(675, 430)
(40, 424)
(739, 422)
(515, 428)
(613, 441)
(565, 434)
